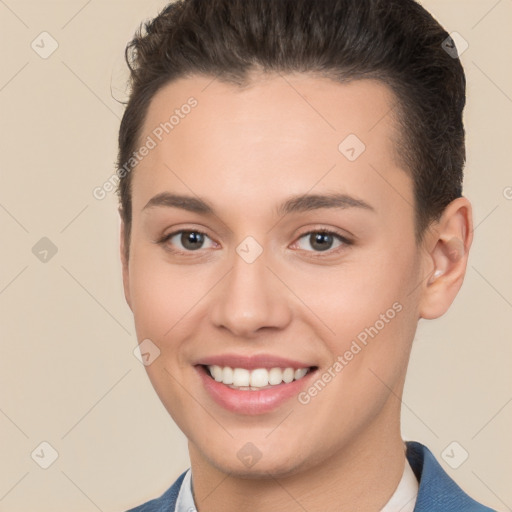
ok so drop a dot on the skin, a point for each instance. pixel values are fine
(245, 151)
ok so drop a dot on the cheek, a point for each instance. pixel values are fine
(161, 294)
(153, 302)
(371, 315)
(368, 284)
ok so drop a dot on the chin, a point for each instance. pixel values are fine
(279, 465)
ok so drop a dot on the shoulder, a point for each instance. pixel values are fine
(437, 491)
(166, 502)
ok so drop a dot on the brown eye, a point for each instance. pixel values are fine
(322, 241)
(185, 241)
(191, 240)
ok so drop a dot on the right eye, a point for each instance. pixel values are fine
(191, 240)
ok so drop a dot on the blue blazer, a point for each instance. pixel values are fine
(437, 491)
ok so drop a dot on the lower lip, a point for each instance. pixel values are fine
(252, 402)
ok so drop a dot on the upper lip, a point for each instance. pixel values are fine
(252, 362)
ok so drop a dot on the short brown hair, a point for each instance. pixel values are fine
(395, 41)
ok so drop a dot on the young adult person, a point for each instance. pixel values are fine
(291, 201)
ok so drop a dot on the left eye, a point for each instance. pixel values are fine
(322, 241)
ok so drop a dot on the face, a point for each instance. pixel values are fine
(272, 230)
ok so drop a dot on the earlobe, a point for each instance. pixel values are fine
(124, 262)
(448, 257)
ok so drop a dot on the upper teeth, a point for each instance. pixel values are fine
(258, 378)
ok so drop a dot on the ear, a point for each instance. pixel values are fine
(124, 262)
(446, 257)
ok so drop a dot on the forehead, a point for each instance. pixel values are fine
(282, 132)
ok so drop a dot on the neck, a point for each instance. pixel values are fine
(361, 476)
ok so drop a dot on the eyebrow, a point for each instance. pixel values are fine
(295, 204)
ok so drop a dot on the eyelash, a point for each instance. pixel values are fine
(316, 254)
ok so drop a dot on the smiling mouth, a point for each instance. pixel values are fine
(257, 379)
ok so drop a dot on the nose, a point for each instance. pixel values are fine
(251, 299)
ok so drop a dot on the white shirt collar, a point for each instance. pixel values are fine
(185, 500)
(403, 499)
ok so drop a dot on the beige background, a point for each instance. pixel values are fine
(68, 375)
